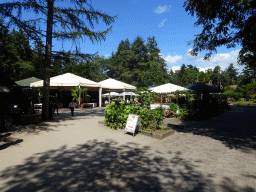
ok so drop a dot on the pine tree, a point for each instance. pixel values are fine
(16, 53)
(38, 60)
(232, 74)
(68, 19)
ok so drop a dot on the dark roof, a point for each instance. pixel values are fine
(203, 87)
(26, 82)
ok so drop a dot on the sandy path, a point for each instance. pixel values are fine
(78, 154)
(69, 133)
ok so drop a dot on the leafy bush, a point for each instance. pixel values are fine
(239, 104)
(253, 96)
(173, 107)
(183, 115)
(116, 115)
(237, 96)
(76, 93)
(250, 103)
(158, 116)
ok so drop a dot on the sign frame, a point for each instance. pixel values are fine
(132, 124)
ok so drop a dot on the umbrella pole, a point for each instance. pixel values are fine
(39, 96)
(109, 97)
(100, 96)
(161, 100)
(79, 96)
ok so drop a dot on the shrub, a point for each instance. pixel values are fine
(116, 115)
(173, 107)
(237, 96)
(239, 104)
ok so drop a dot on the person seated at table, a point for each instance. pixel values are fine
(106, 102)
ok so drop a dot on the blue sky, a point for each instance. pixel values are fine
(166, 20)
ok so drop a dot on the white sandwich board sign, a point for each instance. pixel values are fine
(133, 124)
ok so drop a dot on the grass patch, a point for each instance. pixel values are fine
(243, 103)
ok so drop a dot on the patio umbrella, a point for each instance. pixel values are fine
(112, 94)
(204, 88)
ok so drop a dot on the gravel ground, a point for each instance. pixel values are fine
(78, 154)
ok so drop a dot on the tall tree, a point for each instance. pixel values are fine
(137, 63)
(16, 53)
(38, 59)
(23, 53)
(182, 75)
(68, 22)
(248, 76)
(232, 74)
(157, 65)
(140, 60)
(225, 23)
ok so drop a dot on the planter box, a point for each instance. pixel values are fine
(27, 119)
(157, 135)
(101, 122)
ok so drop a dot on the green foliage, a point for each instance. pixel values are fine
(183, 115)
(251, 103)
(173, 107)
(76, 93)
(253, 96)
(200, 110)
(246, 90)
(117, 112)
(158, 117)
(70, 16)
(239, 104)
(138, 64)
(15, 53)
(143, 97)
(224, 23)
(237, 96)
(232, 74)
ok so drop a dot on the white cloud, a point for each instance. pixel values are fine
(221, 59)
(162, 23)
(204, 69)
(161, 55)
(173, 59)
(161, 9)
(175, 68)
(107, 55)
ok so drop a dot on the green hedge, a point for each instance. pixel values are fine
(117, 112)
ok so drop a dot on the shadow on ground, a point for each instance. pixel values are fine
(84, 112)
(106, 166)
(235, 128)
(6, 141)
(63, 119)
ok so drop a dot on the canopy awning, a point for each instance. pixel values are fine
(114, 85)
(67, 80)
(26, 82)
(169, 88)
(203, 87)
(128, 93)
(112, 94)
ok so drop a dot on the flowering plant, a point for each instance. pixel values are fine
(169, 113)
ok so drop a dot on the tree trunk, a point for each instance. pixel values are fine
(2, 117)
(45, 108)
